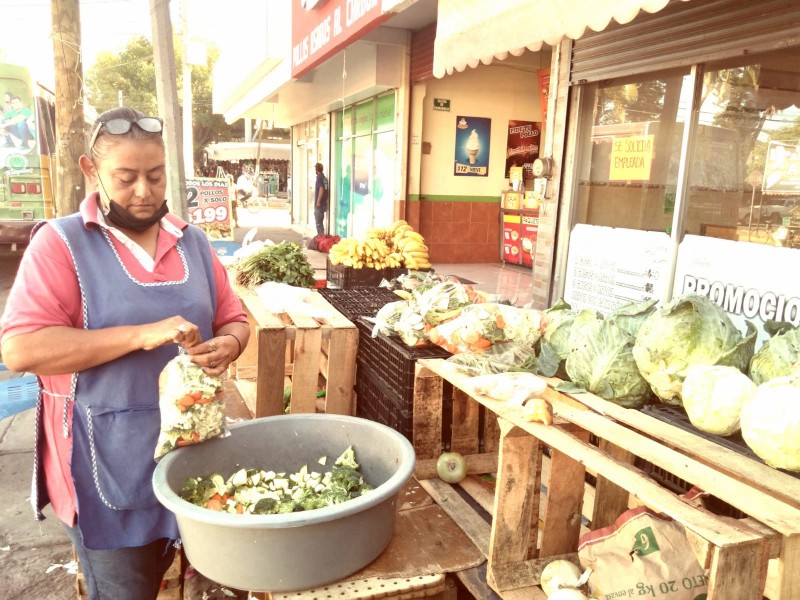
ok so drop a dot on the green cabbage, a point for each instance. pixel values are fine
(713, 397)
(771, 423)
(690, 330)
(778, 357)
(554, 345)
(601, 361)
(631, 316)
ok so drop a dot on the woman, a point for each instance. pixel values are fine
(102, 300)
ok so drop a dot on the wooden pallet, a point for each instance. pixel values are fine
(293, 349)
(528, 526)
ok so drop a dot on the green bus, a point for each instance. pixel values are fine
(27, 156)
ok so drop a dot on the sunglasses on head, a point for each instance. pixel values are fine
(123, 126)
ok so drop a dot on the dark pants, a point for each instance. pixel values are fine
(124, 574)
(319, 219)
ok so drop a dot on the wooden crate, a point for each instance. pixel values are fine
(170, 585)
(294, 349)
(528, 526)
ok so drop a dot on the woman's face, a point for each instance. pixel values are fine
(133, 174)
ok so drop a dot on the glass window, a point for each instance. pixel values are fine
(750, 130)
(744, 173)
(628, 174)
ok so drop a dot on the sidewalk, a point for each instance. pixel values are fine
(28, 548)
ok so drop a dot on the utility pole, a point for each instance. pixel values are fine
(168, 107)
(188, 138)
(69, 181)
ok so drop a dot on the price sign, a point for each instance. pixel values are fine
(209, 205)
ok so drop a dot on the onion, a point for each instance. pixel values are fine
(559, 573)
(567, 594)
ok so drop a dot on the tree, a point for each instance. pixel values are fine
(132, 73)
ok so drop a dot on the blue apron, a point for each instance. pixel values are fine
(115, 416)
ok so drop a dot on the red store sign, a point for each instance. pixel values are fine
(321, 28)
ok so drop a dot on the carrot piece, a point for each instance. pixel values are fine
(195, 437)
(196, 395)
(186, 401)
(202, 400)
(501, 322)
(239, 509)
(483, 343)
(214, 503)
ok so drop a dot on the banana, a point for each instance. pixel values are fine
(414, 236)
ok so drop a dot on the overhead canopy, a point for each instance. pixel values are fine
(470, 32)
(249, 151)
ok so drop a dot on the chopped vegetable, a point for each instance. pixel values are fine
(255, 491)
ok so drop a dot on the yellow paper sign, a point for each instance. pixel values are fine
(631, 157)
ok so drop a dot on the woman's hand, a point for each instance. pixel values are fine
(216, 354)
(175, 330)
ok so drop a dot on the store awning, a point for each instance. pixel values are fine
(249, 151)
(470, 32)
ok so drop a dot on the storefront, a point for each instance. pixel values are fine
(684, 148)
(454, 198)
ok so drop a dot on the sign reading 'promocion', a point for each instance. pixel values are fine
(321, 29)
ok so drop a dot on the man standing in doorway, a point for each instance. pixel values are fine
(320, 198)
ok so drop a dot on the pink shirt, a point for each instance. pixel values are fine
(46, 293)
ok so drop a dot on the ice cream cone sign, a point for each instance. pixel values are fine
(473, 147)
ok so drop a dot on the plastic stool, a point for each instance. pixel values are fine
(17, 395)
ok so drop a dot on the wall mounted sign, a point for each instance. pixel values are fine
(473, 135)
(522, 148)
(321, 29)
(441, 104)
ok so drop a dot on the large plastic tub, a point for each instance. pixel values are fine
(288, 552)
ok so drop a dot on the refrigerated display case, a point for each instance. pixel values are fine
(519, 219)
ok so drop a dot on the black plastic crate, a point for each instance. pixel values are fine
(390, 359)
(344, 277)
(358, 302)
(376, 401)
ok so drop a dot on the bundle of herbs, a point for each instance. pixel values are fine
(284, 263)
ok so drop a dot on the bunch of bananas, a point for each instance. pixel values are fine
(395, 246)
(410, 245)
(370, 252)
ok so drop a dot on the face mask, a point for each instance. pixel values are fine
(123, 219)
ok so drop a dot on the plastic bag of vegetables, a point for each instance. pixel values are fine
(498, 358)
(481, 325)
(192, 407)
(601, 361)
(411, 328)
(387, 317)
(442, 302)
(778, 357)
(690, 330)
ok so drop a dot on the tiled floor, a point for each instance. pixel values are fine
(510, 282)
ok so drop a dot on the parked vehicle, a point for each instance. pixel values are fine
(771, 211)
